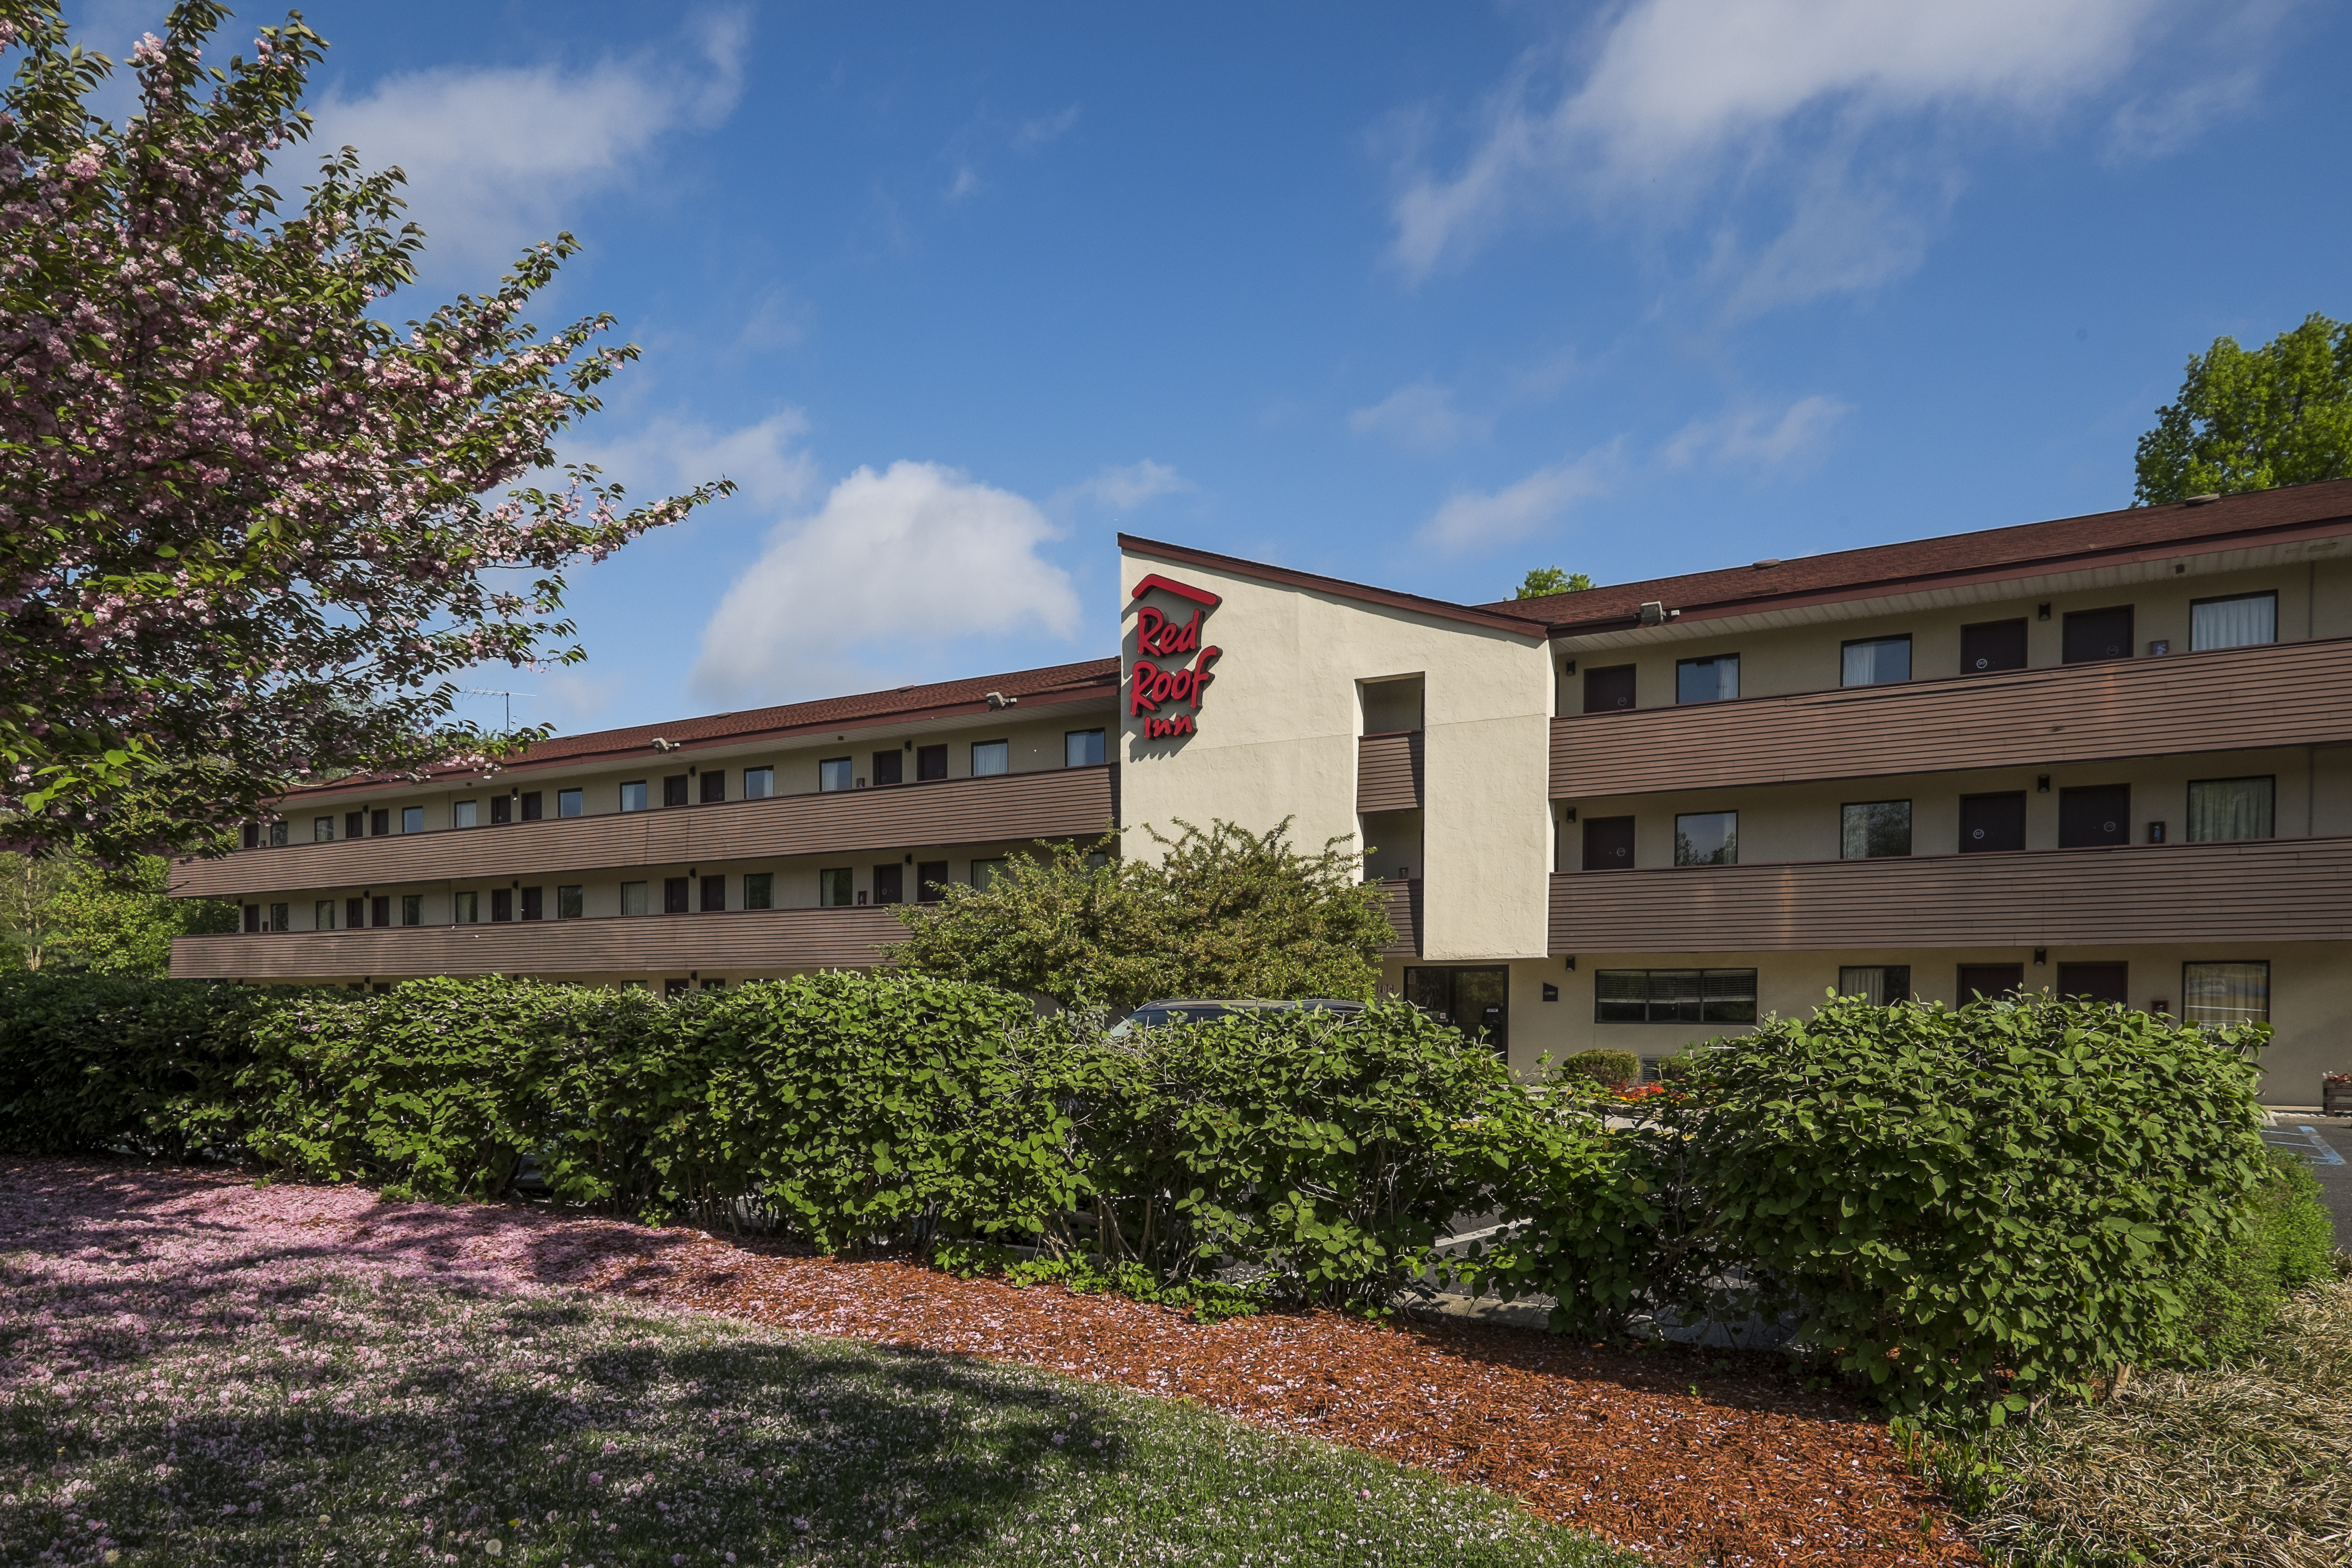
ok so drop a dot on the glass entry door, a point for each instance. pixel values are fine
(1475, 1001)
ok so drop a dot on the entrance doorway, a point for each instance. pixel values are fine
(1989, 981)
(1475, 1000)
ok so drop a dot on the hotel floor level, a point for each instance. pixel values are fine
(2108, 755)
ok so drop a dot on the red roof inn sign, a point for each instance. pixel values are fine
(1156, 682)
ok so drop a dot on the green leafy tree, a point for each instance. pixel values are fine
(255, 531)
(29, 884)
(1225, 912)
(1543, 582)
(2255, 420)
(65, 911)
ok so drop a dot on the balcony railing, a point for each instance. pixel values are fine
(763, 942)
(1405, 916)
(1058, 803)
(2264, 891)
(2280, 694)
(1388, 772)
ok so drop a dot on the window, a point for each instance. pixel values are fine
(501, 904)
(889, 768)
(2242, 620)
(2220, 995)
(466, 909)
(355, 912)
(412, 909)
(281, 917)
(322, 915)
(2092, 635)
(567, 803)
(673, 791)
(714, 895)
(930, 877)
(380, 822)
(714, 985)
(1707, 838)
(930, 762)
(277, 832)
(323, 829)
(1713, 680)
(534, 902)
(759, 889)
(832, 773)
(633, 898)
(673, 989)
(354, 824)
(674, 895)
(1673, 997)
(1880, 984)
(758, 783)
(1082, 748)
(632, 797)
(1876, 661)
(501, 810)
(714, 786)
(571, 903)
(1871, 829)
(411, 819)
(991, 757)
(530, 809)
(380, 910)
(833, 887)
(984, 873)
(465, 813)
(2223, 809)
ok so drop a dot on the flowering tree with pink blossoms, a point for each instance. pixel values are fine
(249, 530)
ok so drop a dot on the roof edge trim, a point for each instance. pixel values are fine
(1388, 598)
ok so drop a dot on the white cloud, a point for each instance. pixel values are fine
(893, 564)
(1123, 487)
(501, 157)
(1680, 97)
(1760, 438)
(1422, 418)
(1475, 519)
(665, 455)
(2158, 126)
(1036, 133)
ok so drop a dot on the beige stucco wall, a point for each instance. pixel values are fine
(2311, 997)
(1277, 738)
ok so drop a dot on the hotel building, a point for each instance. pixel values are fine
(2108, 755)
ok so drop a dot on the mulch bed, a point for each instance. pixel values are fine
(1648, 1448)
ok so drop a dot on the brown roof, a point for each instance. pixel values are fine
(1497, 616)
(2027, 550)
(1094, 678)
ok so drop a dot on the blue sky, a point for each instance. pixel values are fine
(1421, 296)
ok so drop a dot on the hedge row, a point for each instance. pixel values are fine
(1966, 1208)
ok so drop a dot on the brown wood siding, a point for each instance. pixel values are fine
(762, 941)
(2283, 694)
(1388, 772)
(1405, 917)
(2276, 890)
(1055, 803)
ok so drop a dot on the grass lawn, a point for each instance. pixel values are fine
(329, 1418)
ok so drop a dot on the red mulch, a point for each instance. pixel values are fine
(1645, 1446)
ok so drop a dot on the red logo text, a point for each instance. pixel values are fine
(1163, 679)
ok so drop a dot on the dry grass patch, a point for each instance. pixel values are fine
(2249, 1465)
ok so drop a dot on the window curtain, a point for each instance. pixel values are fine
(2224, 809)
(1878, 662)
(2219, 995)
(2233, 623)
(1878, 985)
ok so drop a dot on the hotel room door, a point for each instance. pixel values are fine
(1475, 1000)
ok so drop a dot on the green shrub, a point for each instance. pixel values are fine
(1329, 1150)
(1605, 1067)
(2284, 1242)
(91, 1062)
